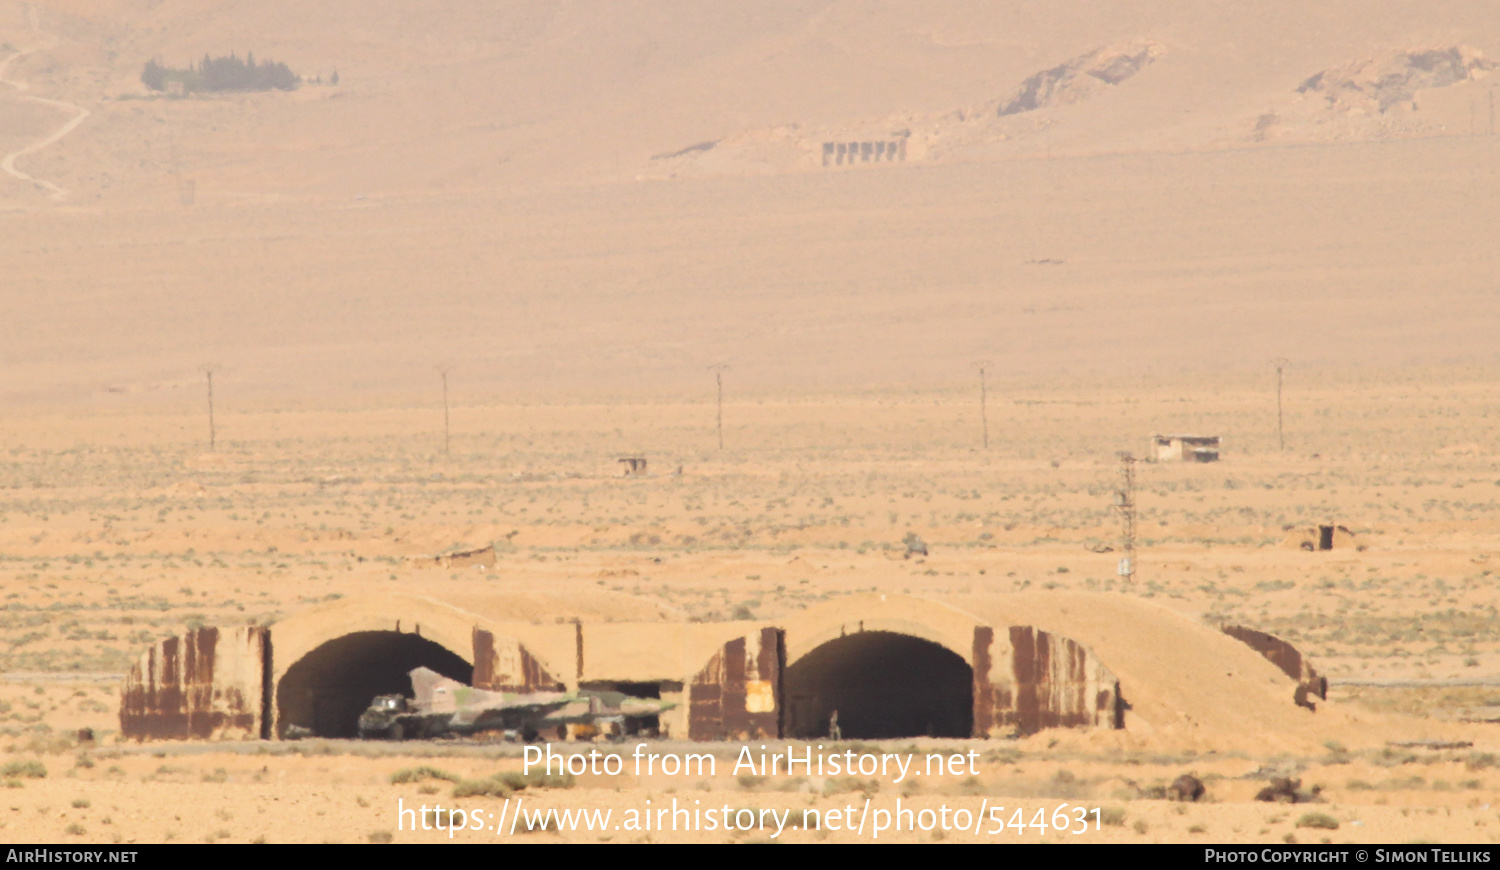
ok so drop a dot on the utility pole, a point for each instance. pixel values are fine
(212, 435)
(1125, 501)
(719, 369)
(443, 370)
(1281, 364)
(984, 419)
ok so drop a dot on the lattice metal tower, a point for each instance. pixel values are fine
(1125, 501)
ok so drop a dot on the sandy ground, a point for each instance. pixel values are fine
(122, 528)
(347, 239)
(578, 209)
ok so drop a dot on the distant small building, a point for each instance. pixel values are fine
(1185, 448)
(1329, 537)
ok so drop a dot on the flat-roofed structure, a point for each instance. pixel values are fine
(1185, 448)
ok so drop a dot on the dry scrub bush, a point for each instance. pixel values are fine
(503, 784)
(1318, 820)
(418, 774)
(30, 769)
(840, 785)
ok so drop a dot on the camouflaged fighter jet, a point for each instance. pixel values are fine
(443, 706)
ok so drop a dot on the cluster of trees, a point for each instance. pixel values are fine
(222, 74)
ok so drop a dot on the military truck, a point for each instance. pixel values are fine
(394, 717)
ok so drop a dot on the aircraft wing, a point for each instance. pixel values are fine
(436, 693)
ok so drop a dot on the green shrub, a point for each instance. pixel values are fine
(221, 74)
(30, 769)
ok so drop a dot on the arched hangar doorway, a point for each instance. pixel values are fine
(882, 684)
(327, 689)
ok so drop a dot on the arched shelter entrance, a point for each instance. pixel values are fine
(890, 666)
(327, 689)
(878, 685)
(331, 661)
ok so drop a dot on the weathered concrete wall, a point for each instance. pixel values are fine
(737, 695)
(1026, 680)
(619, 652)
(1180, 677)
(502, 664)
(1285, 656)
(729, 679)
(208, 684)
(554, 647)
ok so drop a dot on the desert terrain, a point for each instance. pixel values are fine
(576, 209)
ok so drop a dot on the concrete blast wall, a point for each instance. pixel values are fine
(737, 695)
(1285, 656)
(503, 665)
(208, 683)
(898, 667)
(1030, 679)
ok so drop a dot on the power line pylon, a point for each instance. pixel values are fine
(212, 432)
(719, 369)
(1281, 364)
(443, 370)
(984, 419)
(1125, 501)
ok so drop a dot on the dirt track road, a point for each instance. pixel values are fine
(8, 162)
